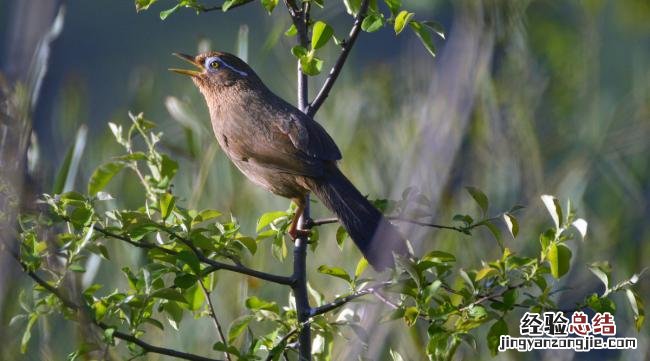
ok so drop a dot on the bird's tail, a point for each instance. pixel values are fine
(371, 232)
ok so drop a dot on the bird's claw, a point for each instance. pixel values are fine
(299, 233)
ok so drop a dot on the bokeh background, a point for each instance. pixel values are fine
(524, 98)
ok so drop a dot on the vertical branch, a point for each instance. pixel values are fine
(300, 18)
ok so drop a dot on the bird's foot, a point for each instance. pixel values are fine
(296, 233)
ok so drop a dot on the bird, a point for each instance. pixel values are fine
(287, 152)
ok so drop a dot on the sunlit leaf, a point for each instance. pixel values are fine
(167, 203)
(512, 224)
(554, 209)
(559, 257)
(335, 272)
(401, 20)
(321, 34)
(269, 5)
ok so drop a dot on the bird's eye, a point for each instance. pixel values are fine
(214, 64)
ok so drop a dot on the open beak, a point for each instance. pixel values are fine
(189, 59)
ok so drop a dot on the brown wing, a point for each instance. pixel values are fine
(295, 143)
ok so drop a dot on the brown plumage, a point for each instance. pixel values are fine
(288, 153)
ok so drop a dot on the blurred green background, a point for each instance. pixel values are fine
(524, 98)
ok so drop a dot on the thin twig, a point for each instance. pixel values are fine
(323, 221)
(147, 347)
(213, 315)
(385, 299)
(336, 69)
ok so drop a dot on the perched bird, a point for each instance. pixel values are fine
(285, 151)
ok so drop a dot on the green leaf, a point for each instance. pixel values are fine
(393, 6)
(496, 232)
(311, 65)
(439, 257)
(554, 209)
(401, 20)
(184, 281)
(269, 5)
(230, 3)
(341, 235)
(256, 304)
(299, 51)
(267, 218)
(559, 257)
(411, 315)
(512, 224)
(292, 31)
(143, 4)
(425, 36)
(361, 266)
(249, 243)
(81, 216)
(165, 13)
(546, 238)
(27, 334)
(195, 297)
(335, 272)
(67, 172)
(602, 271)
(321, 34)
(205, 215)
(169, 294)
(175, 313)
(190, 259)
(581, 225)
(102, 176)
(168, 169)
(494, 335)
(352, 6)
(636, 303)
(167, 203)
(372, 22)
(75, 267)
(480, 198)
(485, 272)
(237, 327)
(435, 28)
(600, 304)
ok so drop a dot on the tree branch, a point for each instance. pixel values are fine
(336, 69)
(214, 265)
(343, 300)
(147, 347)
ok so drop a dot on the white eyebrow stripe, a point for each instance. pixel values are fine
(231, 67)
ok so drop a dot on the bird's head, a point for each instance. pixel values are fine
(216, 71)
